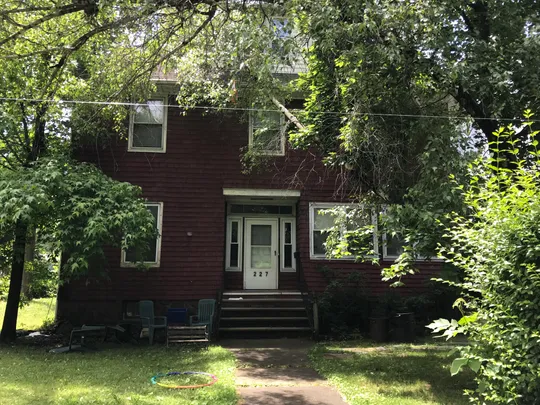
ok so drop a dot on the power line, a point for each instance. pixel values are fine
(245, 109)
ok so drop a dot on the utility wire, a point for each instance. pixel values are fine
(245, 109)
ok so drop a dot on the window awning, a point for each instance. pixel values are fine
(261, 193)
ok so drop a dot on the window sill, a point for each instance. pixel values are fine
(269, 153)
(332, 259)
(129, 265)
(425, 259)
(146, 150)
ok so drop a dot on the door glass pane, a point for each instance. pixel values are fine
(261, 257)
(261, 235)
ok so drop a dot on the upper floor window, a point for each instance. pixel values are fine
(151, 257)
(267, 133)
(148, 126)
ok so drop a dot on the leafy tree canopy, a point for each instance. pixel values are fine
(496, 246)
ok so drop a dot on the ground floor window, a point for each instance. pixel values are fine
(152, 256)
(347, 218)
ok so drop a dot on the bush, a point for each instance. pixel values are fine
(343, 306)
(498, 248)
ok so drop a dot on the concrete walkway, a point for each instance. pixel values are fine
(278, 372)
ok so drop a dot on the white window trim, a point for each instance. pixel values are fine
(157, 263)
(312, 207)
(163, 149)
(283, 130)
(240, 221)
(282, 222)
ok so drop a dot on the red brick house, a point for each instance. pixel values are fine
(251, 236)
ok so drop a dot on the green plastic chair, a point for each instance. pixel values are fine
(205, 315)
(148, 320)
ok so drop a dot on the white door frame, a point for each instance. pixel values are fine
(274, 222)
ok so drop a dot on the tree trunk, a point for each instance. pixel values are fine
(9, 328)
(29, 256)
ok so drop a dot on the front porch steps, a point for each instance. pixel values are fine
(263, 313)
(267, 329)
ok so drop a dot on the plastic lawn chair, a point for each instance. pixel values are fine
(205, 315)
(148, 320)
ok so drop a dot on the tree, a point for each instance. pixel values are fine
(53, 51)
(386, 77)
(496, 246)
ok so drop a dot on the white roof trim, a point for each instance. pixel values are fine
(258, 192)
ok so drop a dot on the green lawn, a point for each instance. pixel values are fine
(396, 375)
(118, 374)
(33, 315)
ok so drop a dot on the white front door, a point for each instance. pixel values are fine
(261, 254)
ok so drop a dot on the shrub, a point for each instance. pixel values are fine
(498, 248)
(343, 306)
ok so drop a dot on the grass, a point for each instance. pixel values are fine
(33, 315)
(118, 374)
(396, 375)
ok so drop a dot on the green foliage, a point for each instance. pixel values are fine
(343, 305)
(497, 247)
(77, 210)
(43, 278)
(351, 233)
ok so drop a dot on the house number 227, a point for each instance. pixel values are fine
(260, 274)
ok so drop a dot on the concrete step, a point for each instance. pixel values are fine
(248, 309)
(262, 299)
(265, 329)
(246, 293)
(264, 318)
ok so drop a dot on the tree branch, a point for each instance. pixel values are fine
(65, 10)
(288, 114)
(156, 63)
